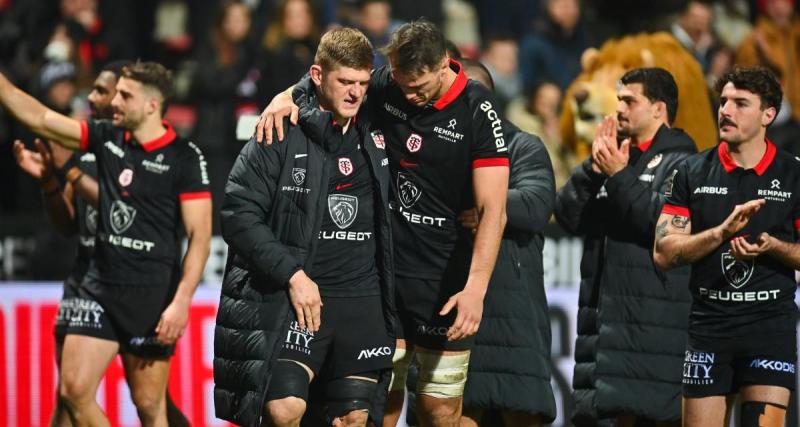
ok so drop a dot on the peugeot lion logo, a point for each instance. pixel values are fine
(299, 175)
(343, 209)
(122, 216)
(736, 272)
(408, 192)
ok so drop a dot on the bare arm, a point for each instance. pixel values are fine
(84, 185)
(40, 119)
(196, 216)
(490, 185)
(675, 245)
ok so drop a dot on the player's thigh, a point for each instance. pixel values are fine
(84, 360)
(711, 411)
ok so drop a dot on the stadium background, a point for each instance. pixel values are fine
(225, 68)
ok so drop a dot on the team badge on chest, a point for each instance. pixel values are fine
(377, 136)
(345, 166)
(414, 142)
(655, 161)
(125, 177)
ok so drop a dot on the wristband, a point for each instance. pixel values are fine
(74, 175)
(61, 173)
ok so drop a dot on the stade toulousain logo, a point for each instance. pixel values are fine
(345, 166)
(125, 177)
(736, 272)
(298, 176)
(343, 209)
(407, 190)
(122, 216)
(377, 137)
(414, 143)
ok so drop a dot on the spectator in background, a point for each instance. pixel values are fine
(538, 115)
(224, 87)
(501, 59)
(775, 44)
(552, 51)
(375, 21)
(288, 47)
(693, 30)
(57, 86)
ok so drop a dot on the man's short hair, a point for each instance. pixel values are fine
(478, 72)
(758, 80)
(344, 47)
(116, 67)
(415, 47)
(659, 86)
(154, 75)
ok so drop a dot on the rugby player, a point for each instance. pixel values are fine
(129, 302)
(308, 227)
(447, 153)
(733, 213)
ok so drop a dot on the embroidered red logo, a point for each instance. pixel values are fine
(125, 177)
(414, 143)
(345, 166)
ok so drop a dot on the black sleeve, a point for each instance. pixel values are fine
(246, 209)
(489, 147)
(531, 186)
(94, 133)
(192, 179)
(677, 190)
(576, 201)
(638, 204)
(380, 79)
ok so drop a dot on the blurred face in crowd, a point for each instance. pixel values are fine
(780, 11)
(71, 8)
(341, 90)
(564, 13)
(376, 17)
(103, 91)
(297, 19)
(696, 21)
(546, 100)
(236, 23)
(60, 94)
(133, 103)
(635, 113)
(421, 87)
(741, 117)
(501, 55)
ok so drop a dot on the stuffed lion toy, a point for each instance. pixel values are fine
(593, 94)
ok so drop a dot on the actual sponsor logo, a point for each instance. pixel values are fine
(377, 137)
(736, 272)
(114, 149)
(655, 161)
(773, 365)
(298, 175)
(298, 339)
(343, 209)
(391, 109)
(202, 163)
(345, 166)
(697, 368)
(711, 190)
(407, 190)
(125, 177)
(122, 216)
(374, 352)
(414, 142)
(497, 125)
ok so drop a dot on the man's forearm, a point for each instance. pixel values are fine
(675, 250)
(787, 253)
(40, 119)
(88, 189)
(193, 265)
(59, 206)
(484, 251)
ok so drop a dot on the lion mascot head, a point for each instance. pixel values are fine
(593, 95)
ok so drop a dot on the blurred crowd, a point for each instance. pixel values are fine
(229, 57)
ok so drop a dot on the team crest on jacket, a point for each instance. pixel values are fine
(736, 272)
(377, 136)
(407, 190)
(298, 176)
(655, 161)
(414, 142)
(343, 209)
(125, 177)
(122, 216)
(345, 166)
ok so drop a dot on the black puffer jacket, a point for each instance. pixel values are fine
(509, 368)
(632, 319)
(270, 219)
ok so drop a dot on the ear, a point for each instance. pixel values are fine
(316, 74)
(648, 59)
(768, 116)
(661, 111)
(589, 57)
(153, 105)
